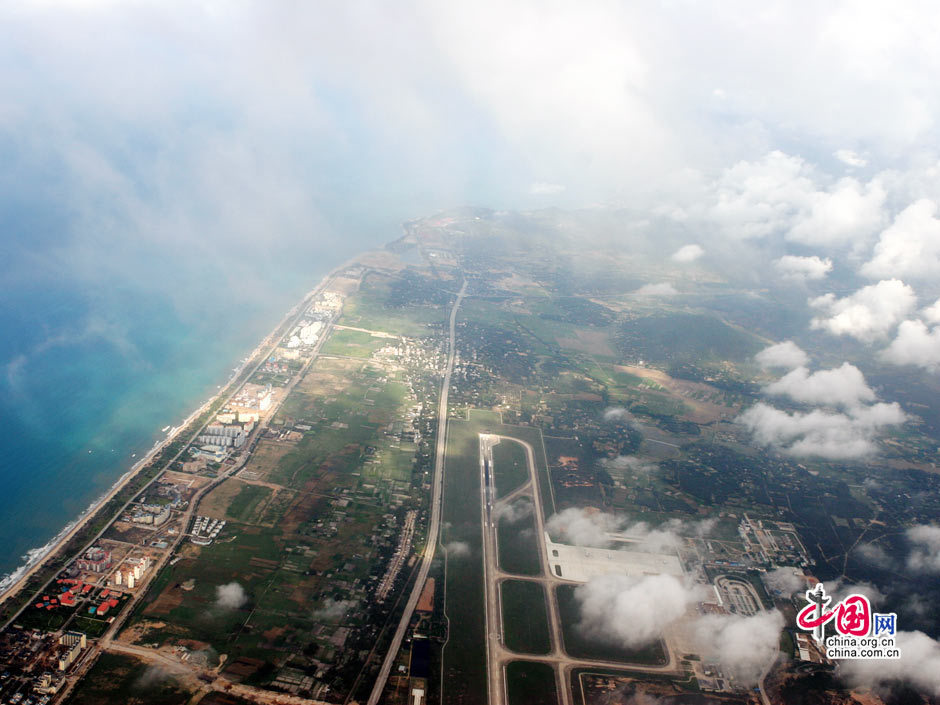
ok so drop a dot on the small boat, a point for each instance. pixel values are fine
(164, 429)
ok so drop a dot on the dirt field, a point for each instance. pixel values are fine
(216, 503)
(265, 459)
(703, 400)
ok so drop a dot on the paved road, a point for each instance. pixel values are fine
(434, 526)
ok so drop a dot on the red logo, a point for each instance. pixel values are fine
(852, 615)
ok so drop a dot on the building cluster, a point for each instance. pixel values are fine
(220, 436)
(768, 542)
(130, 572)
(252, 401)
(305, 334)
(329, 302)
(94, 560)
(232, 427)
(402, 552)
(205, 530)
(151, 514)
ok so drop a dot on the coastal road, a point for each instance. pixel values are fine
(268, 344)
(434, 526)
(107, 641)
(256, 434)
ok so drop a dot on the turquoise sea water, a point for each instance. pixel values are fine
(81, 394)
(90, 374)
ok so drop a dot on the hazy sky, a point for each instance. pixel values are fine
(201, 125)
(165, 145)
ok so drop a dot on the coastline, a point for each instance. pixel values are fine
(13, 582)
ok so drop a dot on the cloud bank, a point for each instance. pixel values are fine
(230, 596)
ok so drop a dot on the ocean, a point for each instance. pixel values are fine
(87, 382)
(83, 395)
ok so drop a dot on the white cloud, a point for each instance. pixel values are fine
(850, 157)
(743, 645)
(781, 194)
(627, 464)
(918, 666)
(925, 548)
(932, 313)
(632, 611)
(616, 413)
(515, 511)
(842, 386)
(847, 214)
(803, 268)
(542, 188)
(837, 436)
(333, 610)
(457, 549)
(868, 314)
(841, 588)
(874, 554)
(584, 527)
(910, 247)
(230, 596)
(688, 253)
(914, 345)
(590, 527)
(785, 580)
(755, 199)
(786, 355)
(663, 289)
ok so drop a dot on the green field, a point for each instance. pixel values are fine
(353, 343)
(530, 683)
(369, 308)
(510, 469)
(518, 547)
(579, 645)
(464, 654)
(247, 503)
(525, 621)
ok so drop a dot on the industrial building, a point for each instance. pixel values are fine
(581, 563)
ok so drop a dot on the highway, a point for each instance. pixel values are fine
(434, 527)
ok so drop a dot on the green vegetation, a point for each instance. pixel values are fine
(525, 621)
(581, 645)
(510, 469)
(518, 544)
(247, 503)
(530, 683)
(464, 655)
(372, 308)
(352, 343)
(685, 336)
